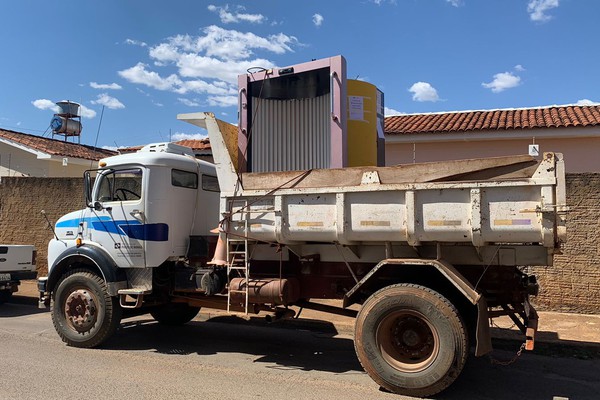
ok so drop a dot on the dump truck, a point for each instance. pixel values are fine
(17, 263)
(429, 252)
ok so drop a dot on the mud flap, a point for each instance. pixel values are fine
(532, 326)
(482, 335)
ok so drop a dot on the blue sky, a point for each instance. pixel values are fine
(145, 61)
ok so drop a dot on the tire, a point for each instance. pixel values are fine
(83, 313)
(5, 296)
(174, 314)
(410, 340)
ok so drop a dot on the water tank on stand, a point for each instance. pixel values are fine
(67, 121)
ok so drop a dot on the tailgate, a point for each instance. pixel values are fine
(17, 258)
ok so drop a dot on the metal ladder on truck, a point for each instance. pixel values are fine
(238, 260)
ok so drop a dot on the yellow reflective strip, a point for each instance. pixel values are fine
(309, 223)
(444, 222)
(375, 223)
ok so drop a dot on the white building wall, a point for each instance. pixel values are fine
(17, 162)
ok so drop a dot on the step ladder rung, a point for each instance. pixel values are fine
(237, 248)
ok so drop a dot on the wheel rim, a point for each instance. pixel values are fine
(81, 310)
(407, 341)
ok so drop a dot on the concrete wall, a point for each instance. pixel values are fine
(572, 284)
(581, 154)
(22, 199)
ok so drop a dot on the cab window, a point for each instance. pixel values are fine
(184, 179)
(120, 185)
(210, 183)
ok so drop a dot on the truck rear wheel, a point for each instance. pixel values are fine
(174, 313)
(83, 313)
(410, 340)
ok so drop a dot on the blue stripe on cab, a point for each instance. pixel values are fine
(133, 229)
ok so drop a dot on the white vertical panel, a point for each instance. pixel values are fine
(290, 135)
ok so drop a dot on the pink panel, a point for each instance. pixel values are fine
(337, 67)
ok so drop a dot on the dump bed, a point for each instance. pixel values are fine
(481, 202)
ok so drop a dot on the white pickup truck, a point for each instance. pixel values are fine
(17, 262)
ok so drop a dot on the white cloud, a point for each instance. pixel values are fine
(455, 3)
(114, 148)
(587, 102)
(227, 16)
(503, 81)
(317, 19)
(157, 104)
(139, 74)
(222, 101)
(135, 43)
(87, 112)
(390, 112)
(423, 91)
(380, 2)
(519, 68)
(208, 63)
(537, 9)
(108, 101)
(188, 102)
(225, 44)
(45, 104)
(105, 86)
(177, 136)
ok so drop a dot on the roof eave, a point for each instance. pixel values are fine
(39, 154)
(512, 134)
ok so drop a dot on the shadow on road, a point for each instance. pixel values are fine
(315, 346)
(19, 306)
(285, 345)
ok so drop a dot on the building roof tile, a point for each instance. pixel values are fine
(494, 120)
(56, 147)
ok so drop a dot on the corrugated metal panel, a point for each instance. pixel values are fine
(290, 135)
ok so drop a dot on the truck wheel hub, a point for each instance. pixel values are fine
(80, 309)
(407, 341)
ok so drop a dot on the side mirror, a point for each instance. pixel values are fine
(98, 206)
(87, 188)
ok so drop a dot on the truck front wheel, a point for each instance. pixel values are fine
(83, 313)
(410, 340)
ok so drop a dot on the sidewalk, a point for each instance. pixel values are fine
(563, 329)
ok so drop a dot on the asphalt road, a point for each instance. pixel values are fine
(229, 358)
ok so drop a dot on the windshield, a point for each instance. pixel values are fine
(120, 185)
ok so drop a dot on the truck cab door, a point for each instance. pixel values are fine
(117, 220)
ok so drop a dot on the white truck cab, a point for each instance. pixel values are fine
(144, 210)
(123, 215)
